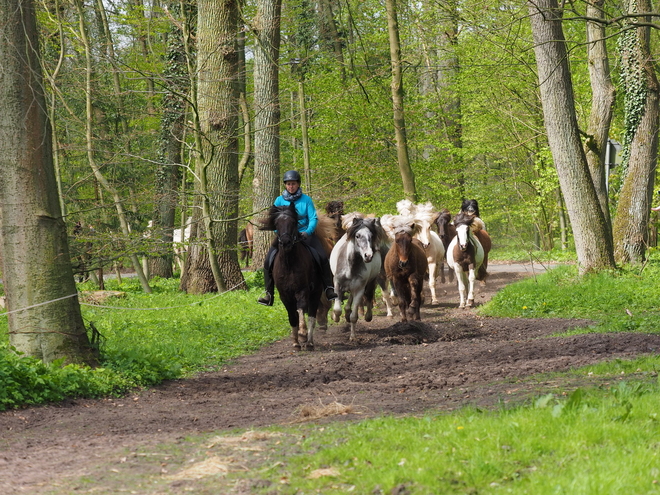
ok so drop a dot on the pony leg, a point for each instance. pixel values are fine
(432, 268)
(302, 326)
(310, 333)
(441, 269)
(461, 282)
(336, 308)
(356, 301)
(470, 297)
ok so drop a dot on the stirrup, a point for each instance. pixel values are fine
(330, 293)
(266, 300)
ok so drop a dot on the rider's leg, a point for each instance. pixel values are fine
(269, 297)
(324, 265)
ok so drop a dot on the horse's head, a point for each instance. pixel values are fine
(404, 231)
(424, 216)
(365, 233)
(284, 220)
(442, 220)
(463, 222)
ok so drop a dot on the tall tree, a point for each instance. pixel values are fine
(44, 312)
(217, 109)
(407, 174)
(266, 181)
(593, 244)
(641, 136)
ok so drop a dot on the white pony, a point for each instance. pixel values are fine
(465, 255)
(424, 216)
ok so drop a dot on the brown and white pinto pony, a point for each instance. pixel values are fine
(405, 264)
(467, 255)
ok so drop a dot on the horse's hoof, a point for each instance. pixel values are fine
(336, 318)
(323, 328)
(470, 303)
(296, 347)
(435, 301)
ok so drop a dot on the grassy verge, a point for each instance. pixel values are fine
(146, 338)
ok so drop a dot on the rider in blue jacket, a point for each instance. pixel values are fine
(307, 221)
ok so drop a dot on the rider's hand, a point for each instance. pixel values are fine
(304, 235)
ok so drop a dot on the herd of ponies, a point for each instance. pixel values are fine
(396, 252)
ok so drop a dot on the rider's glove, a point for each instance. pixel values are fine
(304, 235)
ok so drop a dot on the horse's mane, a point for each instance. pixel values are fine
(347, 220)
(372, 223)
(474, 222)
(393, 224)
(274, 213)
(470, 206)
(406, 207)
(421, 212)
(443, 217)
(425, 212)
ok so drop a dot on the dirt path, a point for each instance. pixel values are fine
(449, 359)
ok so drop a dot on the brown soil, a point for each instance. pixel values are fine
(450, 359)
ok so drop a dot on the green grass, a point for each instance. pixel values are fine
(619, 301)
(147, 338)
(595, 442)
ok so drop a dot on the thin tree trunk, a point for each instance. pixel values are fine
(602, 104)
(267, 112)
(42, 301)
(407, 175)
(593, 244)
(90, 150)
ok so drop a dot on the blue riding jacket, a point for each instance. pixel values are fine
(307, 219)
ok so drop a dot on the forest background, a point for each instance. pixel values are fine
(473, 114)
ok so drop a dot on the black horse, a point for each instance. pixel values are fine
(295, 273)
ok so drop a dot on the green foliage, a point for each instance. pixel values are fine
(25, 380)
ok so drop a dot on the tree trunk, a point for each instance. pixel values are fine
(266, 183)
(331, 35)
(602, 104)
(407, 175)
(593, 243)
(169, 173)
(42, 301)
(641, 140)
(218, 108)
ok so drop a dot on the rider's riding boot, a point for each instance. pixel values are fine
(269, 283)
(328, 280)
(266, 300)
(330, 293)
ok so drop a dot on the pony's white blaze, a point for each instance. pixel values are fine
(462, 232)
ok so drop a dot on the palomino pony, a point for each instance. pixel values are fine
(466, 255)
(424, 216)
(446, 232)
(356, 262)
(406, 265)
(296, 274)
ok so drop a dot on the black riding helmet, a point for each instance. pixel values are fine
(291, 175)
